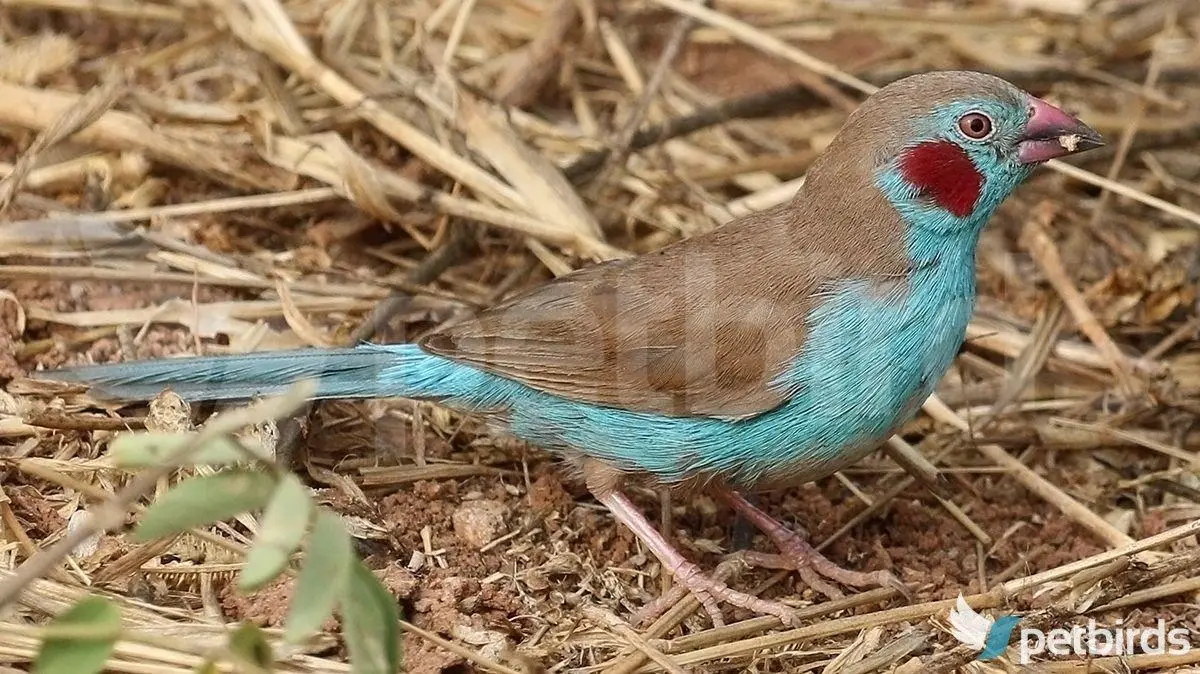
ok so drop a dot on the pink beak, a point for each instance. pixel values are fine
(1051, 133)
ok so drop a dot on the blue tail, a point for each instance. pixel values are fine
(361, 372)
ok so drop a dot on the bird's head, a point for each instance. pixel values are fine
(947, 147)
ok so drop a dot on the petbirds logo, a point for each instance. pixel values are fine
(991, 636)
(988, 636)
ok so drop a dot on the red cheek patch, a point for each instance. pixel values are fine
(943, 173)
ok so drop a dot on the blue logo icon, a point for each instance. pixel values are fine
(990, 637)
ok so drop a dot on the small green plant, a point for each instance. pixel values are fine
(331, 577)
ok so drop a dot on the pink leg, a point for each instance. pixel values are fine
(707, 589)
(801, 557)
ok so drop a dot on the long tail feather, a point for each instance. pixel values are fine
(340, 373)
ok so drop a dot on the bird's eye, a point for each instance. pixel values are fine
(975, 125)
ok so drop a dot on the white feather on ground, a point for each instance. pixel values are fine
(969, 626)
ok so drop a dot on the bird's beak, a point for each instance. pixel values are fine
(1052, 133)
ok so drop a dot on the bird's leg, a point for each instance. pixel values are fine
(707, 589)
(796, 554)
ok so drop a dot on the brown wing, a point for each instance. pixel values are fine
(700, 328)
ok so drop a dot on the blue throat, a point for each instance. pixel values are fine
(870, 359)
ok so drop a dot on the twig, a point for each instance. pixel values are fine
(457, 649)
(1032, 481)
(538, 61)
(105, 274)
(82, 113)
(622, 143)
(48, 418)
(226, 205)
(33, 108)
(608, 620)
(795, 98)
(1041, 247)
(1090, 178)
(446, 256)
(915, 464)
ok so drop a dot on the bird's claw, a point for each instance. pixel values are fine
(710, 591)
(813, 568)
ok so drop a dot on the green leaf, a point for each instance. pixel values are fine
(146, 449)
(86, 636)
(204, 500)
(281, 532)
(369, 624)
(323, 578)
(250, 643)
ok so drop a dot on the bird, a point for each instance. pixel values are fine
(762, 354)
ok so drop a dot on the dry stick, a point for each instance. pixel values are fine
(317, 162)
(538, 61)
(622, 144)
(56, 419)
(1184, 585)
(253, 201)
(1181, 334)
(1136, 113)
(76, 117)
(1136, 439)
(111, 514)
(430, 268)
(915, 464)
(886, 655)
(1041, 247)
(1125, 191)
(606, 619)
(441, 259)
(760, 624)
(1123, 663)
(105, 274)
(924, 471)
(767, 43)
(1032, 481)
(9, 519)
(1029, 362)
(456, 649)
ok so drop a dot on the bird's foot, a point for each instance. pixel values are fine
(796, 554)
(814, 568)
(710, 591)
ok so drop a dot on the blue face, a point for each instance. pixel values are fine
(989, 130)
